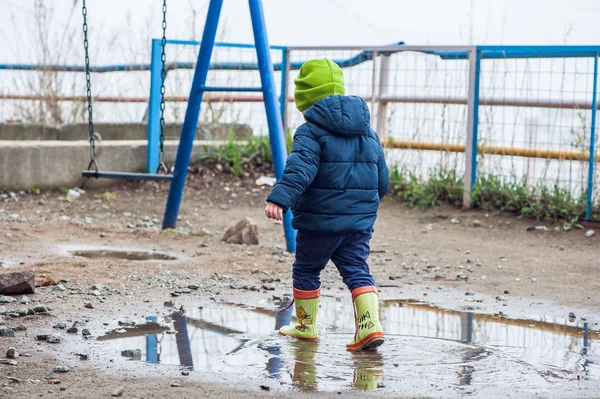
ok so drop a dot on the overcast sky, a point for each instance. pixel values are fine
(119, 28)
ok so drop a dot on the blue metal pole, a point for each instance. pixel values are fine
(188, 131)
(475, 119)
(590, 190)
(284, 84)
(154, 108)
(151, 344)
(276, 134)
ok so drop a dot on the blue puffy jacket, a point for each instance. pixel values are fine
(336, 174)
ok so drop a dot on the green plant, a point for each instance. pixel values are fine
(35, 191)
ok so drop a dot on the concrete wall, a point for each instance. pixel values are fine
(53, 164)
(114, 131)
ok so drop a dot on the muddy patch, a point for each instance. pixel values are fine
(122, 254)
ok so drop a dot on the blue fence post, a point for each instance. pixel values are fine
(283, 97)
(276, 133)
(154, 108)
(472, 126)
(590, 189)
(190, 123)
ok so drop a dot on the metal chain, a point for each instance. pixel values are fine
(163, 75)
(89, 90)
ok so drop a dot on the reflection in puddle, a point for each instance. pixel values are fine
(455, 352)
(125, 255)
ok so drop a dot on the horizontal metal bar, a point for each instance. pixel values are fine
(126, 176)
(539, 153)
(220, 44)
(501, 102)
(227, 89)
(178, 99)
(381, 49)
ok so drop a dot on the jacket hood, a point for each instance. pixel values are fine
(341, 115)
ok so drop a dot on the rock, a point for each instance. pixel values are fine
(118, 392)
(12, 353)
(476, 223)
(98, 287)
(534, 228)
(41, 309)
(185, 372)
(269, 287)
(7, 299)
(9, 362)
(85, 332)
(61, 369)
(60, 326)
(72, 330)
(175, 384)
(127, 323)
(533, 279)
(25, 300)
(224, 207)
(469, 293)
(82, 356)
(6, 332)
(59, 287)
(193, 286)
(64, 218)
(17, 283)
(265, 388)
(265, 181)
(89, 306)
(132, 353)
(590, 234)
(20, 328)
(47, 281)
(244, 232)
(127, 214)
(454, 221)
(73, 195)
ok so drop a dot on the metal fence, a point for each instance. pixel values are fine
(515, 112)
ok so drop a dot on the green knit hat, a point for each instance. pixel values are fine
(318, 78)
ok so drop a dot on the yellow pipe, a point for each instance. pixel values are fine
(493, 150)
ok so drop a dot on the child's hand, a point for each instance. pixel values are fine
(273, 211)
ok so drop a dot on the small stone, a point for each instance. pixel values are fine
(17, 283)
(132, 353)
(102, 235)
(60, 326)
(476, 223)
(193, 286)
(53, 339)
(462, 277)
(61, 369)
(82, 356)
(224, 207)
(89, 306)
(243, 232)
(533, 279)
(9, 362)
(118, 392)
(269, 287)
(254, 271)
(45, 282)
(454, 221)
(126, 323)
(85, 332)
(7, 299)
(185, 372)
(19, 328)
(517, 279)
(25, 300)
(6, 332)
(469, 293)
(590, 234)
(265, 388)
(41, 309)
(72, 330)
(175, 384)
(98, 287)
(12, 353)
(186, 291)
(174, 294)
(127, 214)
(64, 218)
(506, 292)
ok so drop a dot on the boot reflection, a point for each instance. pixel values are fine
(305, 369)
(368, 370)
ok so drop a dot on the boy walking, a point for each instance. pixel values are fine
(333, 182)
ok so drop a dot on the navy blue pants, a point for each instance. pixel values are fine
(348, 251)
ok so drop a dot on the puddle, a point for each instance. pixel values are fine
(125, 255)
(428, 351)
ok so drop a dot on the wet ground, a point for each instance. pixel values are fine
(428, 350)
(489, 311)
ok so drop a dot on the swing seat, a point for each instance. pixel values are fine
(126, 176)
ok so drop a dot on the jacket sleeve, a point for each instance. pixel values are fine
(383, 174)
(300, 169)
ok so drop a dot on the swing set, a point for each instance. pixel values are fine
(188, 131)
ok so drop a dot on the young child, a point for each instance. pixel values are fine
(333, 182)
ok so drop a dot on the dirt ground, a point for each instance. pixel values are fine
(414, 254)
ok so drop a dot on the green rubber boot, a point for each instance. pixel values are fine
(307, 307)
(369, 333)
